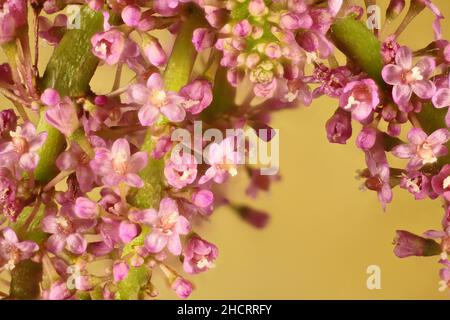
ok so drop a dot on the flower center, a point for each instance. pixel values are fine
(425, 152)
(351, 102)
(413, 75)
(64, 225)
(20, 144)
(168, 222)
(203, 262)
(446, 182)
(120, 164)
(158, 98)
(102, 48)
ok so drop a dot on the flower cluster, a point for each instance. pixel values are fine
(100, 179)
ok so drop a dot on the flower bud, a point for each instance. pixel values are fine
(155, 53)
(203, 38)
(203, 198)
(394, 9)
(120, 271)
(408, 244)
(8, 122)
(86, 208)
(339, 127)
(256, 218)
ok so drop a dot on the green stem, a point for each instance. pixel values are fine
(182, 59)
(360, 45)
(176, 75)
(69, 71)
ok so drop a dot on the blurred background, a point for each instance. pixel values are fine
(324, 231)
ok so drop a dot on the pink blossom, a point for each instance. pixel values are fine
(441, 98)
(76, 159)
(422, 149)
(223, 160)
(120, 271)
(339, 127)
(360, 98)
(408, 244)
(8, 122)
(441, 182)
(203, 198)
(13, 16)
(199, 255)
(198, 96)
(182, 287)
(131, 15)
(61, 113)
(417, 184)
(407, 79)
(167, 226)
(156, 101)
(21, 151)
(203, 39)
(155, 53)
(12, 251)
(109, 46)
(181, 171)
(118, 165)
(52, 32)
(66, 232)
(58, 291)
(86, 208)
(378, 178)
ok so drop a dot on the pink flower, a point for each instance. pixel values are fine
(52, 32)
(12, 251)
(109, 46)
(378, 178)
(76, 159)
(156, 101)
(13, 16)
(21, 151)
(58, 291)
(66, 232)
(339, 127)
(441, 99)
(62, 113)
(389, 49)
(222, 159)
(8, 122)
(181, 170)
(155, 53)
(203, 198)
(408, 244)
(120, 271)
(441, 182)
(203, 38)
(182, 287)
(167, 226)
(422, 149)
(407, 79)
(86, 208)
(417, 184)
(198, 96)
(199, 255)
(118, 165)
(360, 98)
